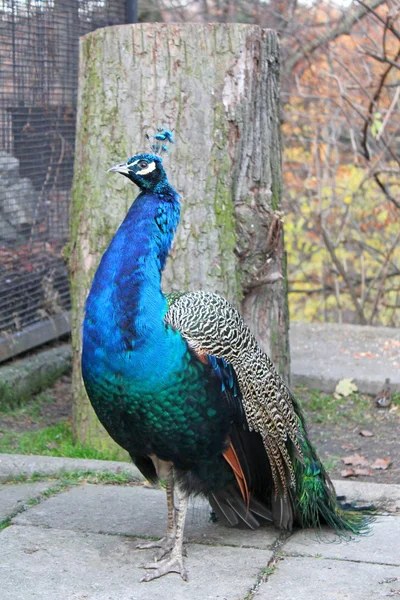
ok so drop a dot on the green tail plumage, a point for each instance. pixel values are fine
(302, 491)
(315, 493)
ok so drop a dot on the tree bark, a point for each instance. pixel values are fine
(217, 87)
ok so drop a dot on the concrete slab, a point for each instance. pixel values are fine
(13, 465)
(364, 491)
(313, 579)
(380, 546)
(135, 511)
(46, 564)
(324, 353)
(13, 497)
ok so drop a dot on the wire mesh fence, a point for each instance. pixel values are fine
(39, 42)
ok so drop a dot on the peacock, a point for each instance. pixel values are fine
(180, 382)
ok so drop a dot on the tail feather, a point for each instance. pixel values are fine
(259, 509)
(315, 494)
(252, 470)
(310, 503)
(233, 461)
(222, 509)
(231, 510)
(242, 511)
(283, 511)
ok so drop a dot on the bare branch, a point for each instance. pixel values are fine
(370, 8)
(343, 28)
(382, 59)
(382, 273)
(389, 113)
(386, 191)
(342, 270)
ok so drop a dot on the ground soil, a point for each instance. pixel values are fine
(55, 407)
(337, 442)
(333, 441)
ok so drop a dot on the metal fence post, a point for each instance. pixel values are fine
(131, 11)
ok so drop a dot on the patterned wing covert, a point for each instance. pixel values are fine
(210, 324)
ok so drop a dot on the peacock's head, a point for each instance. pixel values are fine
(146, 170)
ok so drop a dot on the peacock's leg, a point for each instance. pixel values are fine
(166, 543)
(174, 562)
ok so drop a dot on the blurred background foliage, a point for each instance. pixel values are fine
(340, 87)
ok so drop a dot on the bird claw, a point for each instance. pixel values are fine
(173, 564)
(165, 546)
(148, 545)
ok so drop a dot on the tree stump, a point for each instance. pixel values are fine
(217, 87)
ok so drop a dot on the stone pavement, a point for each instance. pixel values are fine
(13, 466)
(324, 353)
(79, 544)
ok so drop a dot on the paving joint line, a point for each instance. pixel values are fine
(31, 502)
(266, 572)
(352, 560)
(135, 536)
(228, 545)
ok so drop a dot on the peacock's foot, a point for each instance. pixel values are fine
(165, 545)
(172, 564)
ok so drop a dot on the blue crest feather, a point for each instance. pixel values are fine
(162, 135)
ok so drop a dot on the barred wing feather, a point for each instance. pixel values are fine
(211, 325)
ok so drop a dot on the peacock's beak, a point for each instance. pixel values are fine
(121, 168)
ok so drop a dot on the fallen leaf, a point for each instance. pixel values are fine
(347, 473)
(345, 387)
(363, 471)
(52, 445)
(355, 459)
(388, 580)
(393, 508)
(350, 446)
(366, 433)
(381, 463)
(31, 550)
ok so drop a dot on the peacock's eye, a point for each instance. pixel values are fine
(143, 164)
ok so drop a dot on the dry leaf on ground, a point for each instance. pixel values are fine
(350, 446)
(347, 473)
(388, 580)
(381, 463)
(358, 471)
(366, 433)
(355, 460)
(345, 387)
(52, 445)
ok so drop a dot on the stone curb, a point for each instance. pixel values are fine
(24, 377)
(14, 465)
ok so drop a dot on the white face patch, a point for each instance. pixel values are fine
(147, 170)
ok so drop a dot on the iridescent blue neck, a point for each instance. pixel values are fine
(126, 307)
